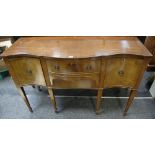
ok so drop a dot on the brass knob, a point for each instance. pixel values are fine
(57, 67)
(121, 72)
(29, 71)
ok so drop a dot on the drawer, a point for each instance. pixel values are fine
(27, 70)
(73, 65)
(122, 72)
(74, 81)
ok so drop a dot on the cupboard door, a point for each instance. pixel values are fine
(28, 70)
(123, 72)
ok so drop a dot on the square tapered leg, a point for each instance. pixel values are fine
(130, 101)
(23, 95)
(98, 101)
(52, 97)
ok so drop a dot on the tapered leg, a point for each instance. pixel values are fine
(130, 100)
(98, 101)
(23, 94)
(52, 97)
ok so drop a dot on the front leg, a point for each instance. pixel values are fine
(23, 94)
(52, 97)
(98, 101)
(130, 100)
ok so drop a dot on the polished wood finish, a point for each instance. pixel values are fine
(78, 62)
(73, 65)
(28, 71)
(86, 81)
(122, 71)
(76, 47)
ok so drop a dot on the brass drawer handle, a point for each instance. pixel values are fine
(29, 71)
(121, 72)
(89, 67)
(57, 67)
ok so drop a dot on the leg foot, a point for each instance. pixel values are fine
(124, 114)
(98, 102)
(99, 112)
(39, 88)
(56, 111)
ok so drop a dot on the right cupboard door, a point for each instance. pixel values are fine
(122, 72)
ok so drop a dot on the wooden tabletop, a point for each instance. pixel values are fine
(77, 47)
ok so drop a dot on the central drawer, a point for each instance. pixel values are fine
(89, 65)
(66, 81)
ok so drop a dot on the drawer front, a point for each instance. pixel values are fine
(74, 81)
(73, 65)
(122, 72)
(28, 70)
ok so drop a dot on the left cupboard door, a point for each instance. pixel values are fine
(27, 71)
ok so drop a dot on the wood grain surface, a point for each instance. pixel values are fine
(76, 47)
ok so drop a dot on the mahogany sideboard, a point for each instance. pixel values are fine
(77, 62)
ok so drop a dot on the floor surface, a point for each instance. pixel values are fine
(72, 104)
